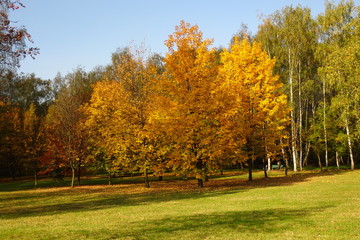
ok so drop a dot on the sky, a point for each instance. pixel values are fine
(84, 33)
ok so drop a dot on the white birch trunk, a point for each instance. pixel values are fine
(324, 123)
(292, 116)
(352, 162)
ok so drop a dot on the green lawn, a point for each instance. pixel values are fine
(302, 206)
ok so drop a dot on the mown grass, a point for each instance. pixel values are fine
(301, 206)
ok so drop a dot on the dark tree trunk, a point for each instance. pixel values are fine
(147, 184)
(110, 179)
(72, 177)
(265, 170)
(199, 168)
(319, 158)
(78, 175)
(160, 178)
(251, 162)
(200, 182)
(35, 181)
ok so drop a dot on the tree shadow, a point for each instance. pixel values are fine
(273, 181)
(264, 221)
(29, 204)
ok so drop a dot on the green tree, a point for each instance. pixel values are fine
(290, 36)
(333, 32)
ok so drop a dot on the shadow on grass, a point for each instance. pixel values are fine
(43, 202)
(231, 179)
(230, 224)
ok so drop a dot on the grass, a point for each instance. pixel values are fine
(301, 206)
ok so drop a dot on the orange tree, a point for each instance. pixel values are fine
(186, 103)
(256, 109)
(118, 115)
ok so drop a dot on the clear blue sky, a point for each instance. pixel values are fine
(72, 33)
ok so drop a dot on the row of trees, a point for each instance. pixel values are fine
(198, 109)
(318, 60)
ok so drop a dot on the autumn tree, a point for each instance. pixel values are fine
(13, 39)
(64, 132)
(186, 101)
(256, 108)
(24, 99)
(11, 142)
(34, 140)
(119, 110)
(67, 136)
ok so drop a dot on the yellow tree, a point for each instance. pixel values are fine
(107, 123)
(118, 114)
(34, 142)
(256, 109)
(187, 101)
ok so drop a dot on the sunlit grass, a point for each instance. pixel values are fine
(301, 206)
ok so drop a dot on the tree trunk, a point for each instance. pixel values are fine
(251, 162)
(292, 116)
(284, 157)
(200, 182)
(352, 162)
(342, 160)
(147, 183)
(160, 177)
(319, 159)
(199, 168)
(110, 178)
(337, 160)
(300, 121)
(78, 175)
(307, 151)
(325, 130)
(72, 177)
(35, 181)
(265, 169)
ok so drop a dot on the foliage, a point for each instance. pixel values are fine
(13, 39)
(289, 92)
(256, 112)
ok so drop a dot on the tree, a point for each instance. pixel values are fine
(342, 72)
(256, 109)
(289, 35)
(25, 99)
(67, 138)
(333, 32)
(11, 141)
(186, 103)
(119, 110)
(13, 39)
(34, 142)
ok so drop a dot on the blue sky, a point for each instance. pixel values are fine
(72, 33)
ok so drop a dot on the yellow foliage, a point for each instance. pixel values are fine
(256, 109)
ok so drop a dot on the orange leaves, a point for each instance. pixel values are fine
(254, 102)
(194, 114)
